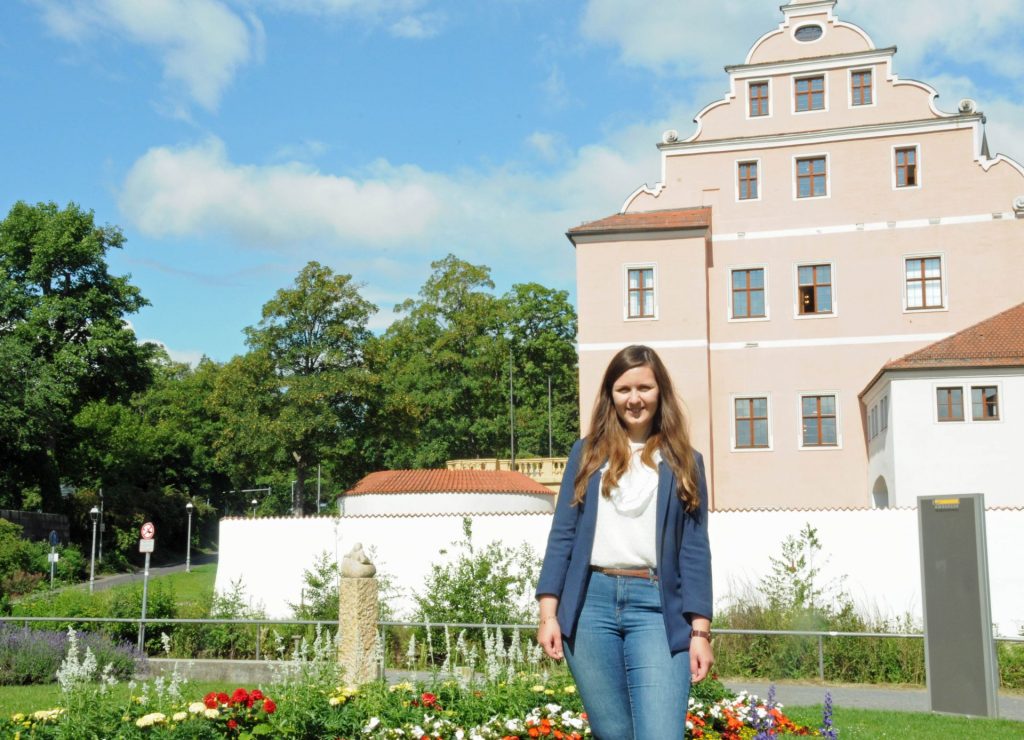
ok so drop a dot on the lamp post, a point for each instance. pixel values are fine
(94, 514)
(103, 526)
(254, 502)
(188, 539)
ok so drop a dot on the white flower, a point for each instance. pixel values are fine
(761, 712)
(180, 716)
(197, 707)
(211, 713)
(374, 721)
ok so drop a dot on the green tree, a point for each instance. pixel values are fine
(63, 341)
(302, 385)
(541, 328)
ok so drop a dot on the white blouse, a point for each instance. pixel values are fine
(626, 526)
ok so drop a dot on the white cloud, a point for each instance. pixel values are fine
(201, 43)
(196, 189)
(423, 26)
(697, 39)
(548, 146)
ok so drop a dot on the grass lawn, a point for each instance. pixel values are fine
(869, 724)
(189, 589)
(31, 698)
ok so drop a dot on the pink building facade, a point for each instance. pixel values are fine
(824, 218)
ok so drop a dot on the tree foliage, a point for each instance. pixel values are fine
(63, 339)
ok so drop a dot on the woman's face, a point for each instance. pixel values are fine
(635, 395)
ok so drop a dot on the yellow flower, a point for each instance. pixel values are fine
(538, 688)
(549, 692)
(179, 716)
(335, 701)
(17, 717)
(148, 720)
(569, 689)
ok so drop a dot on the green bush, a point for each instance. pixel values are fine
(793, 598)
(222, 640)
(25, 567)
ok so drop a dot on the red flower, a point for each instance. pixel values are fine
(240, 696)
(269, 706)
(223, 698)
(210, 700)
(232, 724)
(428, 699)
(256, 694)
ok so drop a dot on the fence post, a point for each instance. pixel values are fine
(384, 649)
(259, 631)
(821, 657)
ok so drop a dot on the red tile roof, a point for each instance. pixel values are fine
(667, 220)
(995, 342)
(448, 481)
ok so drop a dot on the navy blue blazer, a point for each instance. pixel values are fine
(683, 552)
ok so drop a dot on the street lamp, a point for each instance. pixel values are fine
(103, 527)
(94, 514)
(188, 539)
(254, 502)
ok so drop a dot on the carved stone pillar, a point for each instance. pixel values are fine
(358, 612)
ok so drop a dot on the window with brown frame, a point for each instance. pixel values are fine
(814, 285)
(746, 174)
(641, 293)
(751, 423)
(809, 93)
(748, 294)
(757, 94)
(811, 173)
(860, 87)
(924, 282)
(984, 403)
(906, 167)
(819, 421)
(950, 404)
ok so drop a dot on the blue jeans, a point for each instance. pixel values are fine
(632, 687)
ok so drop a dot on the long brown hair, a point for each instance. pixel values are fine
(609, 441)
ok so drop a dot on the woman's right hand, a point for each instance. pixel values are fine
(549, 637)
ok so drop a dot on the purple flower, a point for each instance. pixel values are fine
(827, 731)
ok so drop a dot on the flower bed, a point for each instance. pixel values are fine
(307, 699)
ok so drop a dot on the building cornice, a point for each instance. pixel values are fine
(844, 133)
(829, 61)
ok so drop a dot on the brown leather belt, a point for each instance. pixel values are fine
(648, 573)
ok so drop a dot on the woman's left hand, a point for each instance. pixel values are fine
(701, 658)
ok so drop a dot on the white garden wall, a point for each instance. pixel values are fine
(875, 550)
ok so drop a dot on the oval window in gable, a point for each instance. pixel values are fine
(809, 32)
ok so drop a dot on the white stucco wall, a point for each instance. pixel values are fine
(876, 550)
(921, 456)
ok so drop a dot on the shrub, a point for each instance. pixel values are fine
(492, 585)
(30, 656)
(221, 640)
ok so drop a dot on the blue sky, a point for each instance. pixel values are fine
(234, 140)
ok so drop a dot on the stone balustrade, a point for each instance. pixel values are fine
(545, 470)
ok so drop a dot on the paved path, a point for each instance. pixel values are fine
(1011, 706)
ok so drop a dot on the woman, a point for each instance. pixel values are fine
(625, 589)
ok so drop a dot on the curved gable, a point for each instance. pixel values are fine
(835, 36)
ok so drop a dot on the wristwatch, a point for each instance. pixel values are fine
(706, 634)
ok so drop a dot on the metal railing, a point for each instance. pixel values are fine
(261, 624)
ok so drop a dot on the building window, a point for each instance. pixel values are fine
(641, 293)
(924, 282)
(814, 284)
(746, 175)
(984, 403)
(751, 423)
(809, 93)
(810, 177)
(860, 87)
(748, 294)
(873, 422)
(883, 413)
(906, 167)
(819, 421)
(950, 402)
(757, 94)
